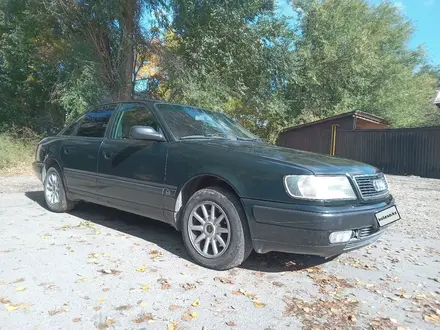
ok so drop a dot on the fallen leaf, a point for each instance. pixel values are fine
(249, 294)
(56, 311)
(186, 317)
(231, 324)
(123, 307)
(174, 307)
(19, 280)
(144, 317)
(258, 274)
(82, 280)
(145, 287)
(109, 321)
(194, 315)
(97, 308)
(164, 284)
(105, 290)
(76, 320)
(11, 308)
(106, 271)
(196, 303)
(101, 299)
(143, 304)
(224, 280)
(188, 286)
(20, 288)
(258, 304)
(171, 326)
(4, 301)
(278, 284)
(432, 318)
(141, 269)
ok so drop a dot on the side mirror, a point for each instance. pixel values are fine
(145, 133)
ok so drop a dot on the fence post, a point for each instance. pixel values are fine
(333, 140)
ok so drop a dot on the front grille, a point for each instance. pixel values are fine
(365, 232)
(367, 187)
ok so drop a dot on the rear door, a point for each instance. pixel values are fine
(131, 172)
(79, 153)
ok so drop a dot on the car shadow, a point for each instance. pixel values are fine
(170, 240)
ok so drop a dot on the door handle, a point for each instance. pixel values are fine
(107, 154)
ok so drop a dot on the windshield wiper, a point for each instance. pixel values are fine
(248, 139)
(189, 137)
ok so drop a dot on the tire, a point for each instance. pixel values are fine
(234, 247)
(53, 184)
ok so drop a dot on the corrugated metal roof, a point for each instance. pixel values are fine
(358, 114)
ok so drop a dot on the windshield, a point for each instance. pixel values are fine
(189, 122)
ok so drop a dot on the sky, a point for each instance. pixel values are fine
(425, 16)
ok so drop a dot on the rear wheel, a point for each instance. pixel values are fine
(54, 192)
(215, 230)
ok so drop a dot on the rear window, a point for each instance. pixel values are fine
(95, 123)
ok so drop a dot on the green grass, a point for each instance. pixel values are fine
(16, 155)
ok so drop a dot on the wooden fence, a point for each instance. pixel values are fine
(406, 151)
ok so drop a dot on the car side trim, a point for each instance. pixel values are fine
(140, 185)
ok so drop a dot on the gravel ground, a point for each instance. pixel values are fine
(99, 268)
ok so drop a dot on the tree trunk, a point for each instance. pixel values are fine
(126, 51)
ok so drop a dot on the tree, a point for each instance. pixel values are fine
(233, 56)
(111, 32)
(30, 53)
(353, 55)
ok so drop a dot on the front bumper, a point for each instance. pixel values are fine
(305, 229)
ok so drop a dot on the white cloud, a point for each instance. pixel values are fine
(399, 5)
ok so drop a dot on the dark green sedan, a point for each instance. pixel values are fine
(226, 190)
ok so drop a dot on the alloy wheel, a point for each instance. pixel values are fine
(53, 187)
(209, 229)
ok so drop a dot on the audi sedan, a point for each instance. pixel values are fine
(227, 191)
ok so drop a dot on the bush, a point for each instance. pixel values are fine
(17, 150)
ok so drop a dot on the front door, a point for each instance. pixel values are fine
(79, 153)
(131, 172)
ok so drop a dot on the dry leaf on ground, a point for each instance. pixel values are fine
(141, 269)
(144, 318)
(56, 311)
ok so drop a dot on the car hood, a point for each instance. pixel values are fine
(316, 163)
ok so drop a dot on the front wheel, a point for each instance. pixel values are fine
(215, 230)
(54, 192)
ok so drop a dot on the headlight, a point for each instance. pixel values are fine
(319, 187)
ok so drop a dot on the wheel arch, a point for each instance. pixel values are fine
(50, 162)
(197, 183)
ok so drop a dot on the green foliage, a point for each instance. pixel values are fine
(57, 57)
(17, 149)
(354, 56)
(232, 57)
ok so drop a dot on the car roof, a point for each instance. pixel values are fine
(143, 100)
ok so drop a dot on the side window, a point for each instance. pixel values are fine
(134, 116)
(95, 123)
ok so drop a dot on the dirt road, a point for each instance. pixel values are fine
(105, 269)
